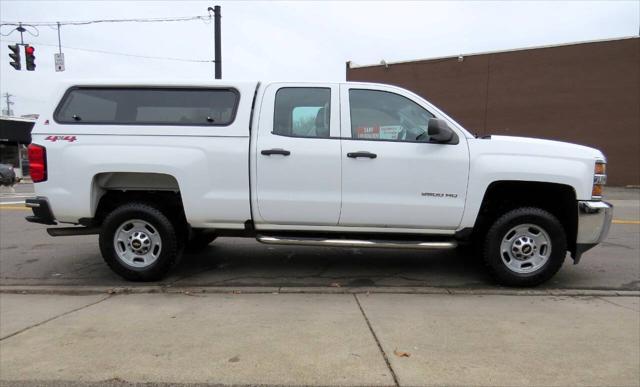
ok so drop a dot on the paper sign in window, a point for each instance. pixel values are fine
(388, 132)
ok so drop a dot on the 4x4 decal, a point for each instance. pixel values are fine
(61, 138)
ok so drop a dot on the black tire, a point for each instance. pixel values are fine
(199, 241)
(520, 216)
(169, 253)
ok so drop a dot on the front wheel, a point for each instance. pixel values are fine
(525, 247)
(139, 242)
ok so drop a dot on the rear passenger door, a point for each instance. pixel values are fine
(297, 156)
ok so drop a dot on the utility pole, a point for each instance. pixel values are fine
(217, 15)
(7, 97)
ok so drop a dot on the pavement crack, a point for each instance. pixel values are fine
(616, 304)
(55, 317)
(375, 337)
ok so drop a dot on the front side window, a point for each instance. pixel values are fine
(381, 115)
(148, 106)
(302, 112)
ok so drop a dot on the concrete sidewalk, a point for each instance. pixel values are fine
(319, 339)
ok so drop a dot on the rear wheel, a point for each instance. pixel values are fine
(525, 247)
(139, 242)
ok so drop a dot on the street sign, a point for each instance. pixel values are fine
(59, 59)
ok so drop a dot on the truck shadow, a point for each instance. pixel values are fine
(244, 262)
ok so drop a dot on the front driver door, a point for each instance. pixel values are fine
(391, 177)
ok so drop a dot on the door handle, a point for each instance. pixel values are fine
(269, 152)
(355, 155)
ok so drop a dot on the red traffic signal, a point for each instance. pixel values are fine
(30, 58)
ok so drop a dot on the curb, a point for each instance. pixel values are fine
(87, 290)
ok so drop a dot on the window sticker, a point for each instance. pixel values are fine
(389, 132)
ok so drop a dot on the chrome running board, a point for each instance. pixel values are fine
(273, 240)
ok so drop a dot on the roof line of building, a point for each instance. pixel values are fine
(22, 119)
(355, 66)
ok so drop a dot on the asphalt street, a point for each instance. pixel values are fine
(29, 256)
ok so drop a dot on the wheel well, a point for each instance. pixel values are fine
(109, 190)
(503, 196)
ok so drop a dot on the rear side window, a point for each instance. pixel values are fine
(148, 106)
(302, 112)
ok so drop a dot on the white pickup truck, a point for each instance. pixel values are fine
(157, 167)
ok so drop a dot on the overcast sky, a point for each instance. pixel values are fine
(287, 40)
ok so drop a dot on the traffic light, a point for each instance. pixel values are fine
(15, 56)
(30, 58)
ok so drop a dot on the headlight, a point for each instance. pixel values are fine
(599, 179)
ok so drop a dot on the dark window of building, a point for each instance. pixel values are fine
(302, 112)
(381, 115)
(148, 106)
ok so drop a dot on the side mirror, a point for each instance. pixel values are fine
(438, 131)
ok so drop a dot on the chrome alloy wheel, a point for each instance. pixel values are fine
(137, 243)
(525, 248)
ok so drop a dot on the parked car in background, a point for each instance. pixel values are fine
(7, 175)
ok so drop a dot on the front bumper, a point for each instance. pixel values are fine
(594, 221)
(41, 211)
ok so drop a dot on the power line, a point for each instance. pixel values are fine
(205, 19)
(121, 53)
(20, 26)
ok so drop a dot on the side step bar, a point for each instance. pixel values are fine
(68, 231)
(273, 240)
